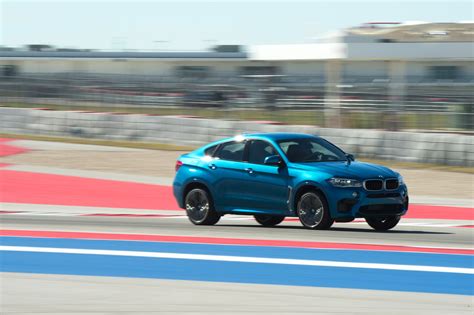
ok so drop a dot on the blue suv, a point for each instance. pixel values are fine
(273, 176)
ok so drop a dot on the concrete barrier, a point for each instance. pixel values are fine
(449, 149)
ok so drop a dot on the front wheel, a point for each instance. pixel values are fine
(199, 208)
(313, 211)
(383, 223)
(268, 220)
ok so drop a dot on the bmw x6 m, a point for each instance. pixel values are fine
(273, 176)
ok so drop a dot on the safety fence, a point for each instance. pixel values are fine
(440, 148)
(360, 102)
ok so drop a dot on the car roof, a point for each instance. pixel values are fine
(276, 136)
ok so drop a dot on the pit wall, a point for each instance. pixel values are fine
(447, 149)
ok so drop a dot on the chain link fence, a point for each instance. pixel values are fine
(362, 102)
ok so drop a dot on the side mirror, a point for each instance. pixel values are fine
(273, 160)
(350, 157)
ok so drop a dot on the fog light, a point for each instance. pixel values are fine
(355, 194)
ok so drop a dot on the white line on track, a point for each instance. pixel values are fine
(79, 210)
(68, 211)
(243, 259)
(170, 214)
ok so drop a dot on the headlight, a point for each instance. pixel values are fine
(344, 182)
(400, 180)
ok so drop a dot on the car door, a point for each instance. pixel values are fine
(266, 186)
(229, 170)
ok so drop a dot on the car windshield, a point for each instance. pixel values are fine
(306, 150)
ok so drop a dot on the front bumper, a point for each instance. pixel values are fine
(357, 203)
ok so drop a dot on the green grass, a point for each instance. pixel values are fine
(306, 117)
(113, 143)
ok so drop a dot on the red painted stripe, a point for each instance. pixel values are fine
(466, 226)
(229, 241)
(417, 211)
(7, 149)
(128, 215)
(36, 188)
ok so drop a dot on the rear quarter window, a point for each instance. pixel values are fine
(211, 150)
(231, 151)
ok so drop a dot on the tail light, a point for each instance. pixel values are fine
(178, 165)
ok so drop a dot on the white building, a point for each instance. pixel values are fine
(425, 51)
(415, 52)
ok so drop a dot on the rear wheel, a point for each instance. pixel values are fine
(383, 223)
(313, 211)
(199, 208)
(268, 220)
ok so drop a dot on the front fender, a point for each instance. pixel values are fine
(302, 185)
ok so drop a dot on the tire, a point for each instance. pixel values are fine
(199, 207)
(268, 220)
(313, 211)
(383, 223)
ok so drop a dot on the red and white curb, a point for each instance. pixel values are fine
(74, 211)
(21, 209)
(374, 245)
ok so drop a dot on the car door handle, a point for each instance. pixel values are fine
(249, 170)
(212, 166)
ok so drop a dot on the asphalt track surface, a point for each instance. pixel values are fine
(53, 261)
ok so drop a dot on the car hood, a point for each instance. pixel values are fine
(355, 170)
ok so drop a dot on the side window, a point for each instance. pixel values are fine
(259, 150)
(286, 144)
(210, 151)
(317, 148)
(232, 151)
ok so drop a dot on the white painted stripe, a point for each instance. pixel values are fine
(168, 214)
(243, 259)
(440, 225)
(421, 224)
(428, 224)
(80, 210)
(413, 223)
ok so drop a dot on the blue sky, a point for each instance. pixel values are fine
(195, 25)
